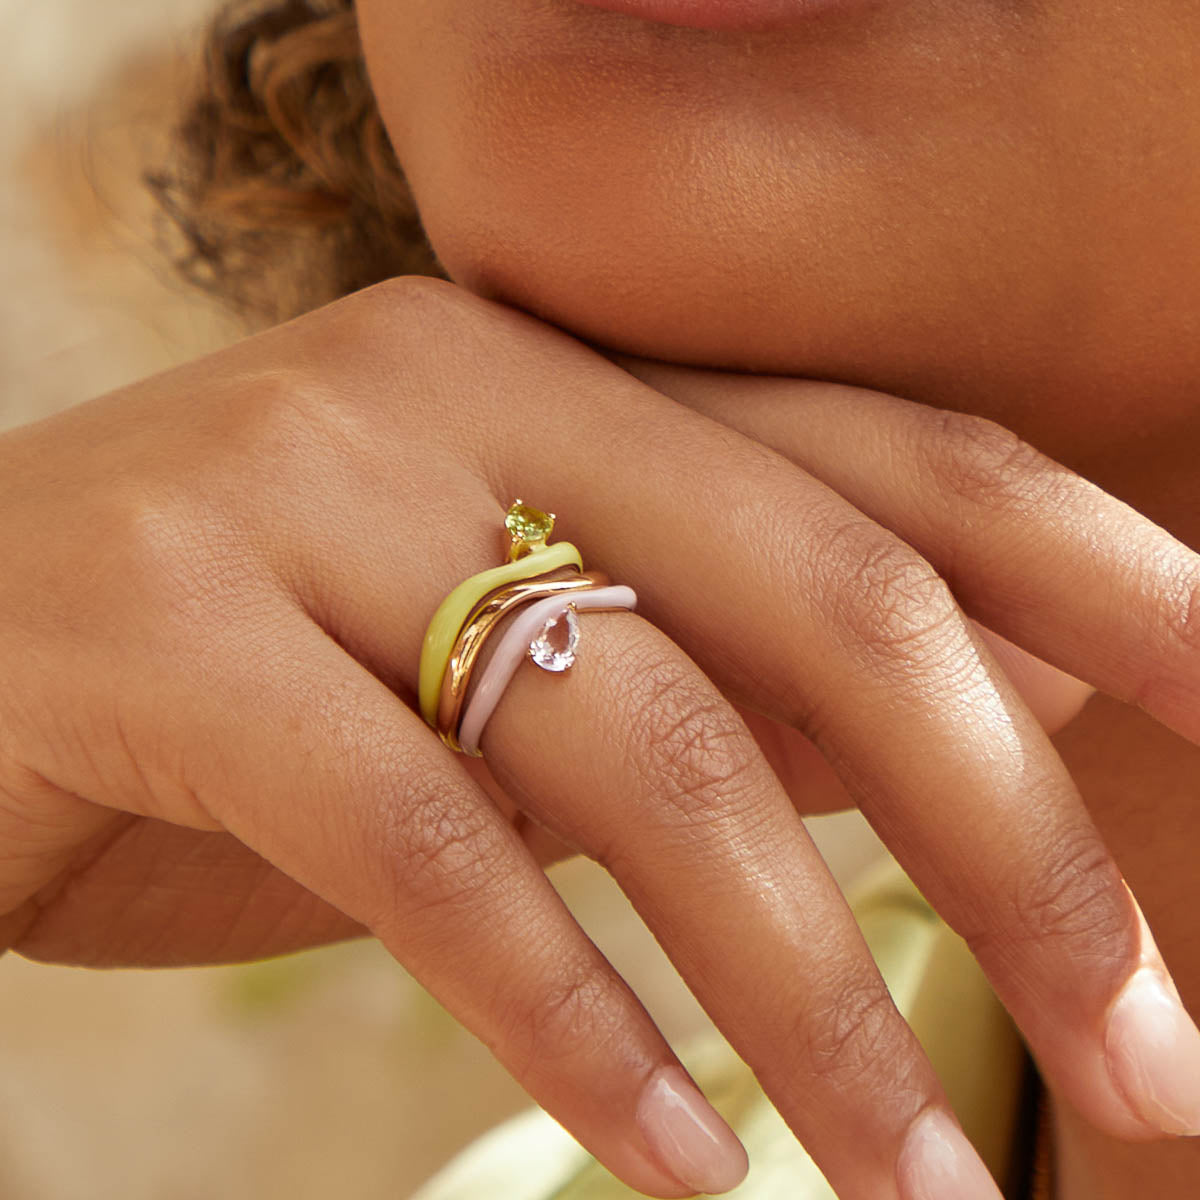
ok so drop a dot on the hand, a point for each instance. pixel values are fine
(216, 586)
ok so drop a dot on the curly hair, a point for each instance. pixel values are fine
(285, 192)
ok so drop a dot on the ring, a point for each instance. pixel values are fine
(528, 556)
(548, 585)
(530, 634)
(486, 613)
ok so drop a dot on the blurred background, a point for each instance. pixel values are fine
(319, 1074)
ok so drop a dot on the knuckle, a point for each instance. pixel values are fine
(1077, 906)
(574, 1018)
(287, 422)
(1182, 609)
(387, 350)
(179, 554)
(845, 1042)
(394, 320)
(697, 752)
(437, 855)
(984, 463)
(1177, 631)
(420, 291)
(887, 598)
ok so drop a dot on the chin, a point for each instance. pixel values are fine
(682, 297)
(822, 205)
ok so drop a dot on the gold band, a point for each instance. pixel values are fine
(483, 620)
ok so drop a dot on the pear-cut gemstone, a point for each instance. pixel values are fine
(528, 524)
(554, 647)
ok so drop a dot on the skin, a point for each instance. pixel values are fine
(983, 205)
(264, 533)
(944, 199)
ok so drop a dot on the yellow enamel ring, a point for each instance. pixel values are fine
(529, 556)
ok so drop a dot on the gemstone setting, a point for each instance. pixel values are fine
(528, 525)
(554, 647)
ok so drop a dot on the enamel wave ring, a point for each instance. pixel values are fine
(527, 607)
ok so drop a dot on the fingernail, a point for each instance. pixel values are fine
(938, 1163)
(688, 1135)
(1154, 1053)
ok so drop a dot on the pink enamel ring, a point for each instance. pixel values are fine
(529, 634)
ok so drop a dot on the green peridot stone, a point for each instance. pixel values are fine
(527, 523)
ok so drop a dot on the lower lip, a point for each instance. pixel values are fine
(723, 14)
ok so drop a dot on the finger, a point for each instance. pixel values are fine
(84, 885)
(1030, 548)
(798, 605)
(1053, 697)
(545, 848)
(635, 756)
(322, 771)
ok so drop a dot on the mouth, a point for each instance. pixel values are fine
(744, 15)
